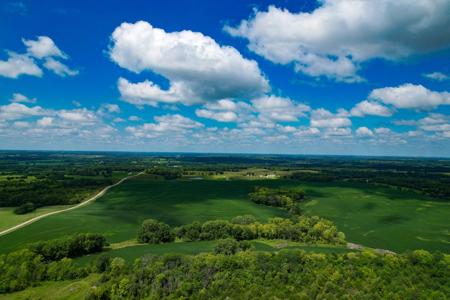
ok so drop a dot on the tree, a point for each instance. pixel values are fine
(154, 232)
(231, 246)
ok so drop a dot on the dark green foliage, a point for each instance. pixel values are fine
(299, 229)
(25, 208)
(74, 246)
(280, 197)
(189, 232)
(154, 232)
(231, 246)
(243, 220)
(164, 172)
(24, 268)
(284, 275)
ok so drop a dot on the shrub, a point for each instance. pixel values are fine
(231, 246)
(25, 208)
(154, 232)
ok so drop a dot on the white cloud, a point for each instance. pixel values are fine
(17, 65)
(221, 116)
(336, 37)
(322, 118)
(198, 69)
(436, 76)
(364, 132)
(17, 97)
(25, 64)
(165, 125)
(134, 118)
(16, 111)
(80, 115)
(43, 47)
(410, 96)
(370, 108)
(279, 109)
(45, 121)
(59, 68)
(21, 124)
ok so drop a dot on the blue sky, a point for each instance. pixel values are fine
(303, 77)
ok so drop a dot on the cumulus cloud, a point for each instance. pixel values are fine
(279, 109)
(16, 111)
(17, 97)
(436, 76)
(17, 65)
(166, 124)
(43, 47)
(364, 132)
(322, 118)
(410, 96)
(370, 108)
(221, 116)
(335, 38)
(198, 69)
(59, 68)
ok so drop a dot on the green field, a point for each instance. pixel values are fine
(55, 290)
(191, 248)
(119, 213)
(373, 216)
(9, 219)
(383, 217)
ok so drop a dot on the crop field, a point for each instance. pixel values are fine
(9, 219)
(383, 217)
(118, 214)
(373, 216)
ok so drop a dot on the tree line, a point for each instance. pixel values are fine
(298, 228)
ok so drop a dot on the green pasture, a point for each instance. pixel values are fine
(191, 248)
(9, 219)
(376, 217)
(119, 213)
(56, 290)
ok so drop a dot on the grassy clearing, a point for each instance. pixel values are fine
(55, 290)
(377, 217)
(133, 252)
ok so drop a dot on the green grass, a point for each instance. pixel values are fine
(56, 290)
(382, 217)
(376, 217)
(191, 248)
(119, 213)
(9, 219)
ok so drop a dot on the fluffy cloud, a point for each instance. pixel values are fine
(16, 111)
(436, 76)
(198, 69)
(17, 65)
(167, 124)
(336, 37)
(279, 109)
(364, 132)
(410, 96)
(322, 118)
(221, 116)
(17, 97)
(370, 108)
(43, 47)
(59, 68)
